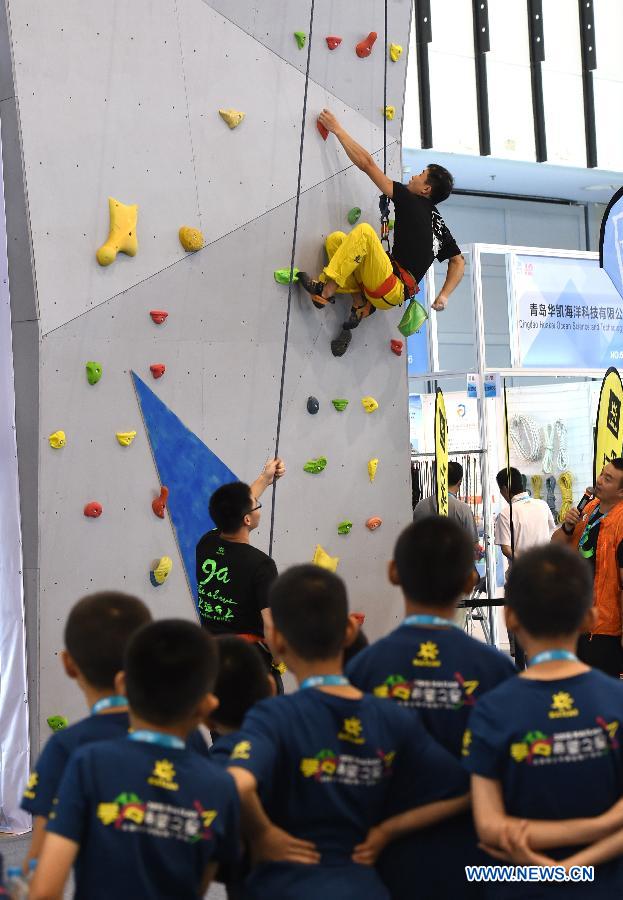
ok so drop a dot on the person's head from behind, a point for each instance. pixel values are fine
(97, 633)
(433, 182)
(455, 474)
(242, 681)
(509, 487)
(169, 674)
(433, 563)
(609, 485)
(549, 594)
(233, 506)
(309, 612)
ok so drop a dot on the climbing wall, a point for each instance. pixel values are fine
(121, 100)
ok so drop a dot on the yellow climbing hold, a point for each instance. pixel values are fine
(57, 440)
(122, 234)
(162, 571)
(372, 467)
(369, 404)
(233, 117)
(191, 239)
(395, 51)
(390, 112)
(322, 559)
(125, 438)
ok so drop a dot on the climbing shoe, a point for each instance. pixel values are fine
(357, 313)
(315, 288)
(340, 345)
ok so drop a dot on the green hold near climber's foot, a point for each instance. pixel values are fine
(354, 215)
(282, 276)
(344, 527)
(301, 37)
(56, 723)
(314, 466)
(340, 404)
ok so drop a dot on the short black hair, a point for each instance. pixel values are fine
(618, 465)
(440, 181)
(516, 480)
(241, 682)
(229, 504)
(455, 472)
(169, 666)
(550, 589)
(309, 607)
(434, 557)
(97, 632)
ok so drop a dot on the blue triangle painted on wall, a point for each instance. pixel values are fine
(190, 470)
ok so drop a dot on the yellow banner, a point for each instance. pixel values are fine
(441, 454)
(608, 431)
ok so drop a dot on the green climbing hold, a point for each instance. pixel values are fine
(56, 723)
(301, 37)
(340, 404)
(94, 372)
(354, 215)
(282, 276)
(314, 466)
(413, 319)
(344, 527)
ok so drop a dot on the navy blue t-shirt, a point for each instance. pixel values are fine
(148, 820)
(555, 747)
(329, 769)
(43, 783)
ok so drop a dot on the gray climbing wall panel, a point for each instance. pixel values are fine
(122, 100)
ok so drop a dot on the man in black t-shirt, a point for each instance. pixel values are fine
(357, 261)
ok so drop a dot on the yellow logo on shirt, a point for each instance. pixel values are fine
(467, 742)
(163, 775)
(562, 706)
(352, 731)
(427, 655)
(242, 750)
(33, 781)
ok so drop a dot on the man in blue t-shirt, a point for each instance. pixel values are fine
(430, 666)
(545, 746)
(342, 772)
(143, 816)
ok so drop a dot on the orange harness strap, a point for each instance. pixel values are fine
(382, 289)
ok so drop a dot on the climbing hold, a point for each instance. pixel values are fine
(360, 618)
(322, 559)
(157, 369)
(93, 510)
(395, 51)
(314, 466)
(158, 315)
(312, 405)
(191, 239)
(369, 404)
(396, 347)
(373, 523)
(57, 722)
(282, 276)
(159, 504)
(364, 48)
(94, 372)
(340, 404)
(300, 37)
(125, 438)
(122, 233)
(373, 465)
(391, 224)
(344, 527)
(233, 117)
(161, 571)
(323, 131)
(354, 215)
(333, 41)
(390, 112)
(57, 440)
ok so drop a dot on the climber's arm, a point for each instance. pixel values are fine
(357, 154)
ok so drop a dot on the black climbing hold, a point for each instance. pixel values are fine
(312, 405)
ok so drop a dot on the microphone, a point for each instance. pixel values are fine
(589, 494)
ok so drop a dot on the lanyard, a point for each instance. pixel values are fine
(157, 737)
(551, 656)
(429, 620)
(521, 498)
(595, 519)
(324, 681)
(108, 703)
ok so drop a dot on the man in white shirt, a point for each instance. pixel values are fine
(533, 523)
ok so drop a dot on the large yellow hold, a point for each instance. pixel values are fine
(395, 51)
(191, 239)
(233, 117)
(322, 559)
(122, 235)
(372, 467)
(57, 440)
(125, 438)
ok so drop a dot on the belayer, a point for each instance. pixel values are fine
(358, 263)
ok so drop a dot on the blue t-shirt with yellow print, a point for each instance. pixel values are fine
(148, 819)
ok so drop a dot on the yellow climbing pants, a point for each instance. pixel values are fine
(358, 261)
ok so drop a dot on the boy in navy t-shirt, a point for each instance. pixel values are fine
(429, 665)
(545, 746)
(340, 772)
(143, 816)
(96, 634)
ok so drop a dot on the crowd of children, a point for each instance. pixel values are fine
(427, 753)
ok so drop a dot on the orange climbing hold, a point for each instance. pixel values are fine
(364, 48)
(323, 131)
(93, 510)
(158, 369)
(333, 41)
(373, 523)
(158, 315)
(160, 503)
(396, 347)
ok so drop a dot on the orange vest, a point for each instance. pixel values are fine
(607, 583)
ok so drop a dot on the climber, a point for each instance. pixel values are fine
(358, 264)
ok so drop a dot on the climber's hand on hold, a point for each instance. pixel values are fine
(329, 121)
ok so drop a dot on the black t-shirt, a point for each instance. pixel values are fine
(420, 233)
(233, 581)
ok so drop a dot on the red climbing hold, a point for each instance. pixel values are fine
(158, 315)
(333, 41)
(160, 503)
(364, 48)
(323, 131)
(158, 369)
(396, 347)
(93, 509)
(360, 618)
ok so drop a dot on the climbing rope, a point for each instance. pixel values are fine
(294, 236)
(555, 437)
(565, 483)
(384, 199)
(537, 486)
(526, 437)
(550, 487)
